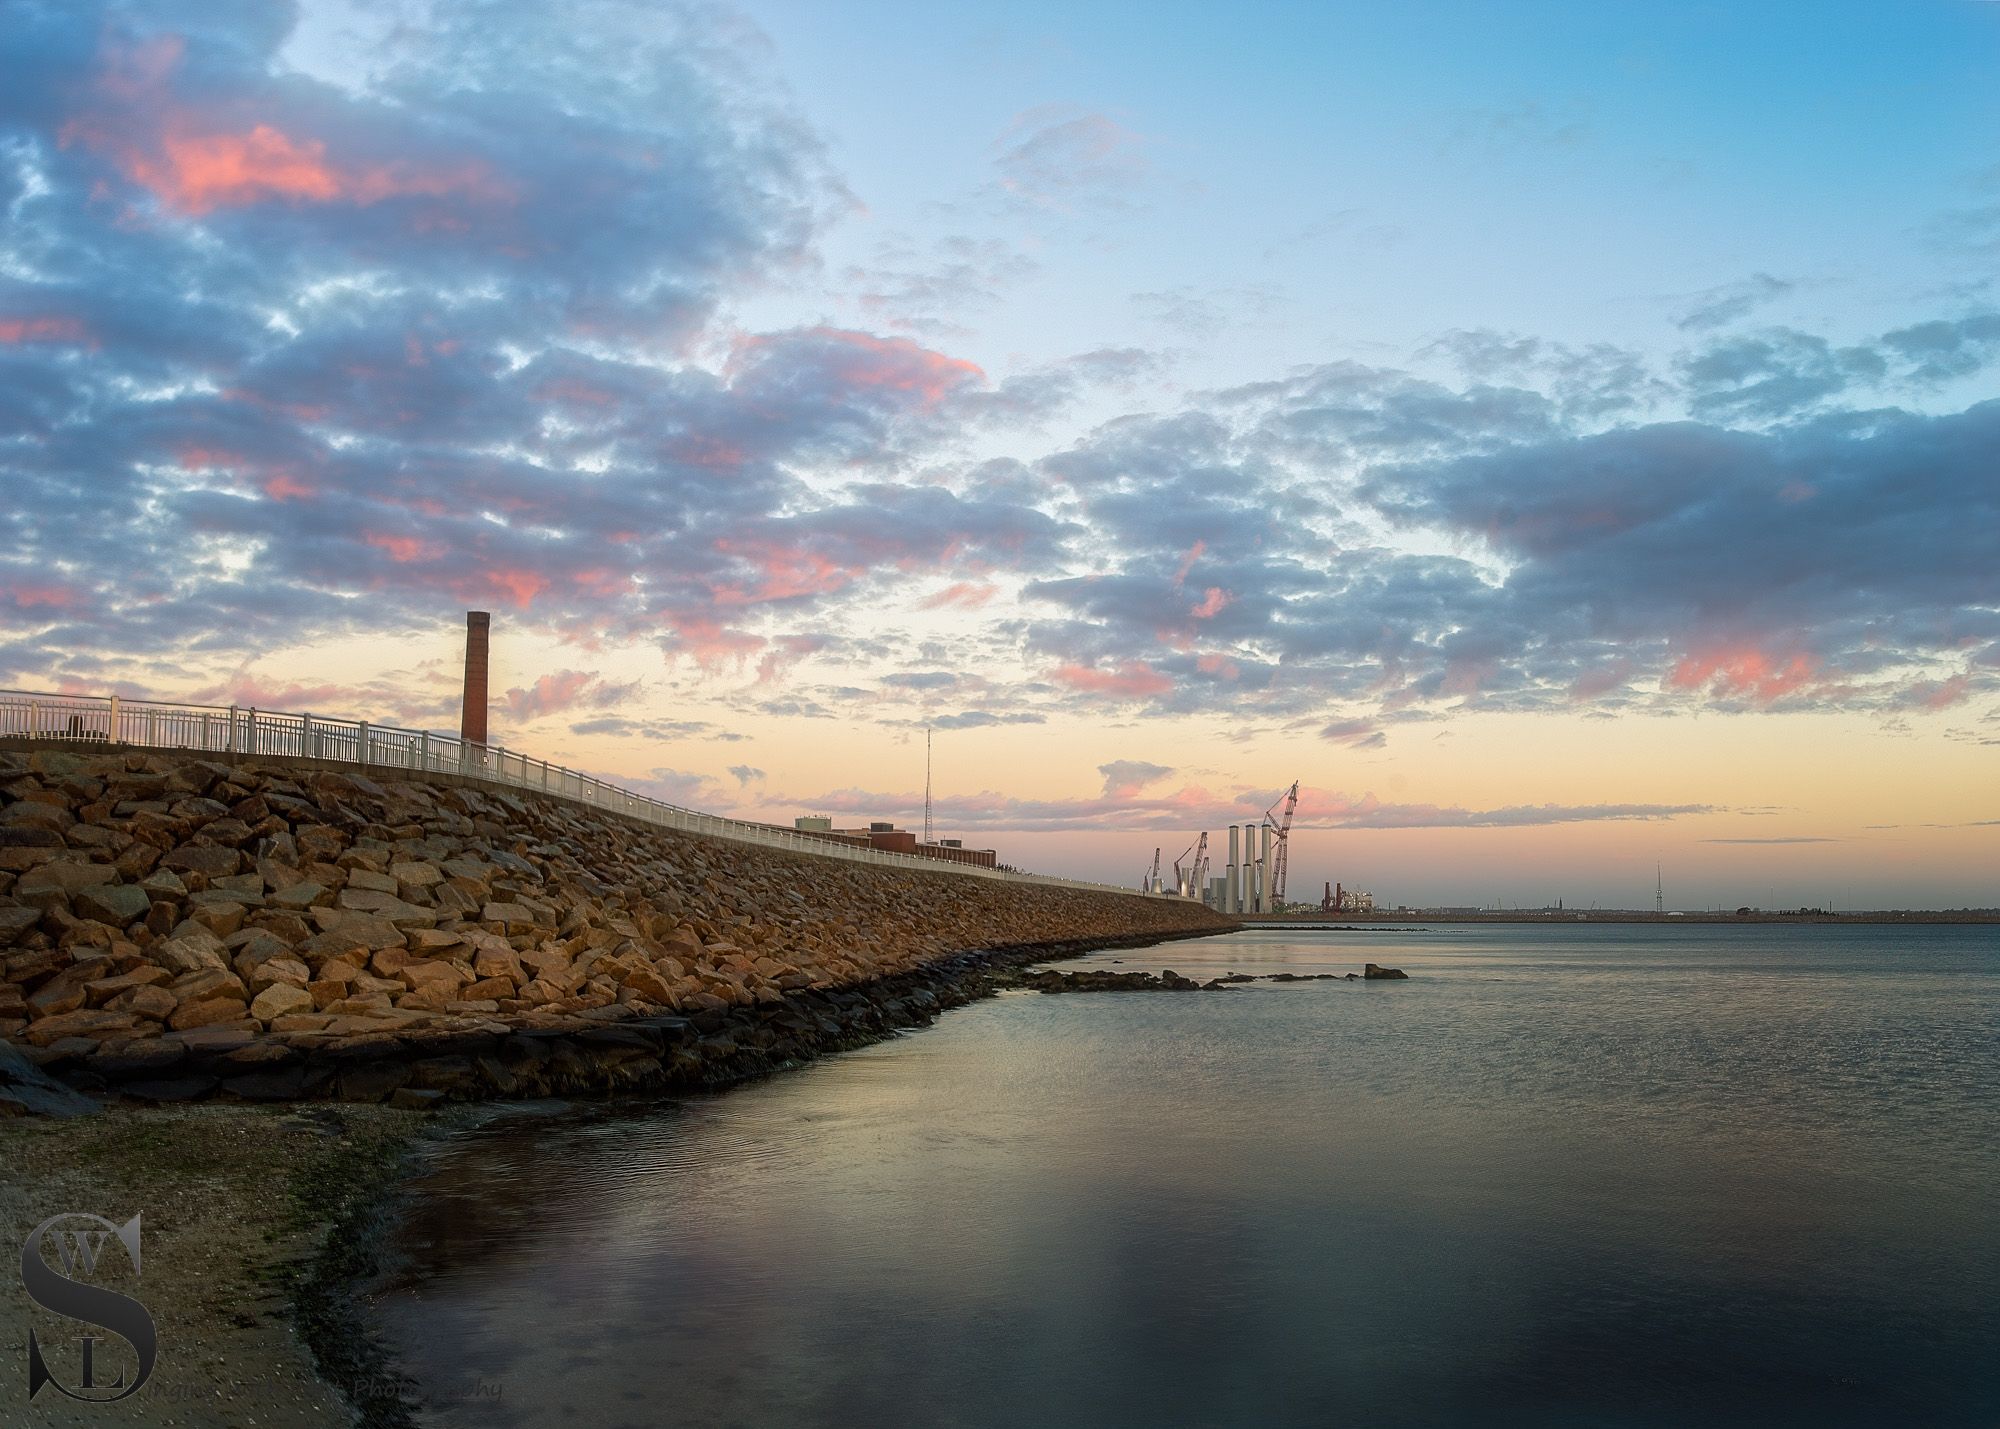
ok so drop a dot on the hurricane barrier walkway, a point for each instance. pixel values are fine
(69, 721)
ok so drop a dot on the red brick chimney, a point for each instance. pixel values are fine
(472, 723)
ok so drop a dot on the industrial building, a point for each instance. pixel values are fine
(884, 835)
(1253, 881)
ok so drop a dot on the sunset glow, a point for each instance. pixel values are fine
(1496, 451)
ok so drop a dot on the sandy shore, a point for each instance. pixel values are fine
(237, 1205)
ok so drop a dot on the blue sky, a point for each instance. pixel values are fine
(1361, 179)
(1558, 435)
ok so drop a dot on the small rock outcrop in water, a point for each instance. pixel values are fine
(1090, 980)
(175, 926)
(1374, 973)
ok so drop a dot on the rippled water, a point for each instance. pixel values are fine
(1568, 1175)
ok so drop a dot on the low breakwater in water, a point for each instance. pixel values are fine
(175, 928)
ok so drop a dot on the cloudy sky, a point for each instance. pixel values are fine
(1559, 435)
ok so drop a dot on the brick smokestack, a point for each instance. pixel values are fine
(472, 724)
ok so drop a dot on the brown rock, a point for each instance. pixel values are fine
(507, 918)
(16, 921)
(188, 954)
(221, 919)
(491, 962)
(279, 999)
(105, 989)
(410, 876)
(274, 972)
(32, 812)
(194, 987)
(56, 996)
(419, 976)
(651, 986)
(300, 1022)
(208, 1013)
(155, 1004)
(298, 896)
(373, 933)
(61, 880)
(362, 879)
(95, 1025)
(209, 862)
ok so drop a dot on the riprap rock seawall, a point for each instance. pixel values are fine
(177, 926)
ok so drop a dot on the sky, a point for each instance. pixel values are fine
(1561, 437)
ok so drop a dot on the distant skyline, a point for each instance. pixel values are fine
(1559, 435)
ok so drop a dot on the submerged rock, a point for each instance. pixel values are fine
(1374, 973)
(1055, 980)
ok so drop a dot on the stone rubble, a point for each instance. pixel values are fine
(174, 926)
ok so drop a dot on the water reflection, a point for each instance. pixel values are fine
(1570, 1175)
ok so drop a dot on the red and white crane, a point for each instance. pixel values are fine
(1283, 828)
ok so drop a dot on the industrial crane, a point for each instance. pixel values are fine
(1284, 831)
(1190, 882)
(1152, 879)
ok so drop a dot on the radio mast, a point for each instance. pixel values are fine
(927, 783)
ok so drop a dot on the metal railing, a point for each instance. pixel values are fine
(85, 720)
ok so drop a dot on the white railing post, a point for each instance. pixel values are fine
(361, 741)
(111, 732)
(306, 736)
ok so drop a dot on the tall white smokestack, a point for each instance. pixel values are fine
(1263, 868)
(1233, 893)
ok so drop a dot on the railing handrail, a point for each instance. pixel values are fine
(251, 732)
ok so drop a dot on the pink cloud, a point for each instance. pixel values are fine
(1212, 603)
(565, 690)
(403, 549)
(253, 691)
(1939, 694)
(195, 165)
(1187, 563)
(784, 572)
(1134, 680)
(1744, 669)
(861, 361)
(517, 586)
(963, 593)
(286, 488)
(709, 643)
(47, 328)
(42, 596)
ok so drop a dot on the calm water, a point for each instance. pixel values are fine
(1577, 1175)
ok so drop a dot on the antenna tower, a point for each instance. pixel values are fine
(1659, 894)
(927, 783)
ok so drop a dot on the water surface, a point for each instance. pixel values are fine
(1593, 1174)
